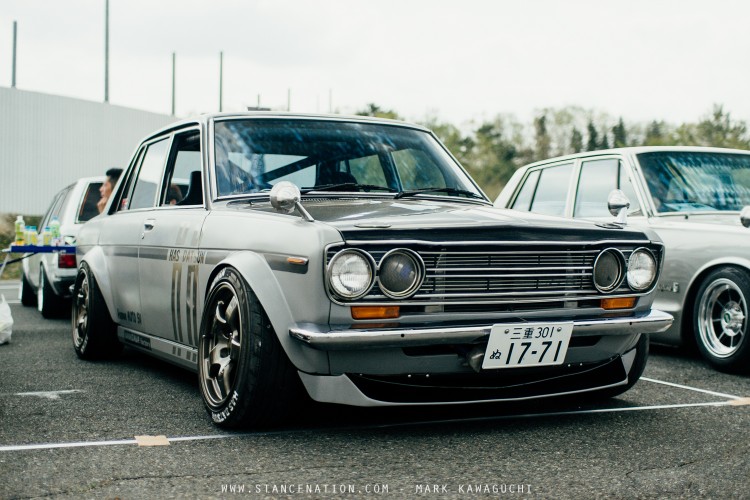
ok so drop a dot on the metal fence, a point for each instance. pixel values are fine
(47, 142)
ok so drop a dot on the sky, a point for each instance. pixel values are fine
(459, 61)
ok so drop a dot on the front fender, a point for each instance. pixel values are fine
(262, 280)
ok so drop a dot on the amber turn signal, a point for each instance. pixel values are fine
(618, 303)
(375, 312)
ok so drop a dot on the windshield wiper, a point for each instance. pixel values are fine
(448, 190)
(344, 185)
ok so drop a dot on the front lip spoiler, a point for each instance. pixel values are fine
(654, 321)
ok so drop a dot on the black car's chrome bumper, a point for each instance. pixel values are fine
(652, 322)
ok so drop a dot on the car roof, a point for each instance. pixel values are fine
(634, 150)
(205, 118)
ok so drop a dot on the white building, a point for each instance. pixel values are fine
(48, 141)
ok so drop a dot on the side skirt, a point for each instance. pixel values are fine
(177, 354)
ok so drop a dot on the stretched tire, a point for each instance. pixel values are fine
(94, 332)
(245, 377)
(48, 303)
(720, 320)
(26, 294)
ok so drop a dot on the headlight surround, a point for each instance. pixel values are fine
(641, 269)
(609, 269)
(400, 273)
(350, 274)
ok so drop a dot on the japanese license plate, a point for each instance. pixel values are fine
(527, 344)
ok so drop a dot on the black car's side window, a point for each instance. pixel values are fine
(551, 190)
(149, 176)
(597, 179)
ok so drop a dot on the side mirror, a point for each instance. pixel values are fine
(618, 204)
(745, 216)
(285, 197)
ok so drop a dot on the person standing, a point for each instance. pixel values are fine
(113, 174)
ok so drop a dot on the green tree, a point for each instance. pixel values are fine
(576, 141)
(593, 142)
(374, 110)
(542, 139)
(718, 129)
(604, 143)
(619, 135)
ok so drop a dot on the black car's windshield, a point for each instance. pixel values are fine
(689, 181)
(254, 154)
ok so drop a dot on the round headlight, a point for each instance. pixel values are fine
(608, 270)
(641, 269)
(350, 274)
(400, 273)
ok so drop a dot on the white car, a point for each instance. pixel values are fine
(47, 277)
(696, 200)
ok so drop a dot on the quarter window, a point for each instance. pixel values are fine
(526, 194)
(552, 190)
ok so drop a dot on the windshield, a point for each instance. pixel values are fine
(697, 181)
(253, 155)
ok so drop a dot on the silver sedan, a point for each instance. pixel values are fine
(695, 199)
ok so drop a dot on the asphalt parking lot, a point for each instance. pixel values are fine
(135, 428)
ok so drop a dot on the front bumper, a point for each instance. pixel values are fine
(653, 321)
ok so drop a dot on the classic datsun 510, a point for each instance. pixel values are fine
(354, 258)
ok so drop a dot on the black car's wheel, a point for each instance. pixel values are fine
(720, 319)
(26, 294)
(245, 377)
(94, 332)
(47, 301)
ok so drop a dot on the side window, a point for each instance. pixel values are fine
(88, 209)
(552, 190)
(54, 208)
(184, 184)
(526, 194)
(149, 176)
(598, 178)
(411, 172)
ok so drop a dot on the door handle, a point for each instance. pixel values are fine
(148, 224)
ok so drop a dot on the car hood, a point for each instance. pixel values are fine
(435, 220)
(700, 222)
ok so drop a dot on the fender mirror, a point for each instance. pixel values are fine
(618, 204)
(745, 216)
(285, 197)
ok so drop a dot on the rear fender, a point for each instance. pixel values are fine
(261, 279)
(98, 265)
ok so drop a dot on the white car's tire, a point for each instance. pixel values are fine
(48, 303)
(26, 293)
(721, 319)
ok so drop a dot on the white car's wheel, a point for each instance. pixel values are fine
(720, 319)
(245, 377)
(49, 304)
(26, 293)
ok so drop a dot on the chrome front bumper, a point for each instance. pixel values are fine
(334, 340)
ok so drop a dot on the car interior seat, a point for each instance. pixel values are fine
(194, 195)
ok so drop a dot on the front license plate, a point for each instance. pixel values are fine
(527, 344)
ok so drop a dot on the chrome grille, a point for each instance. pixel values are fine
(492, 275)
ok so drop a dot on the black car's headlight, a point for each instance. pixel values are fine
(608, 270)
(350, 274)
(641, 269)
(400, 273)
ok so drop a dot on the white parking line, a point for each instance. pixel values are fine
(48, 394)
(704, 391)
(83, 444)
